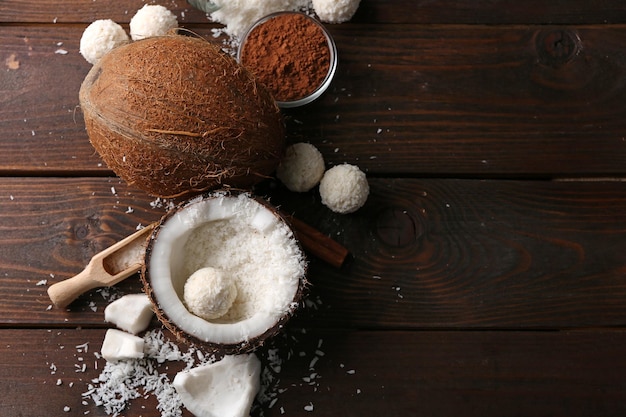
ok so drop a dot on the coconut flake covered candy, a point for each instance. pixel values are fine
(101, 37)
(209, 293)
(335, 11)
(302, 167)
(152, 20)
(344, 188)
(247, 241)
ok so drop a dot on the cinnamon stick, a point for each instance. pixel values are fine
(318, 244)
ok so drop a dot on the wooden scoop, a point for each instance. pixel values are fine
(126, 257)
(105, 269)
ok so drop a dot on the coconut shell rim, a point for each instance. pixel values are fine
(245, 346)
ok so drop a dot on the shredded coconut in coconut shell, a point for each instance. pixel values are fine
(248, 242)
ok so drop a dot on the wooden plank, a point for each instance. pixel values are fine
(86, 11)
(360, 373)
(42, 127)
(472, 101)
(426, 253)
(407, 100)
(462, 373)
(50, 230)
(379, 11)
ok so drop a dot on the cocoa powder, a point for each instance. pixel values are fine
(289, 53)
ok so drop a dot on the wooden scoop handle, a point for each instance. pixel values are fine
(106, 268)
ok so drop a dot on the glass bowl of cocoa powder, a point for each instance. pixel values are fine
(293, 54)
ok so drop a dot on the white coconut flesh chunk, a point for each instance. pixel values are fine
(131, 312)
(119, 345)
(221, 389)
(249, 243)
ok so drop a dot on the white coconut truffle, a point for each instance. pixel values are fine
(302, 167)
(344, 188)
(209, 293)
(335, 11)
(99, 38)
(152, 20)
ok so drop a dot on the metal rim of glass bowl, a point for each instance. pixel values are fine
(331, 68)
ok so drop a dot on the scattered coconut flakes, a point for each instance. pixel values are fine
(42, 282)
(61, 51)
(109, 293)
(308, 407)
(238, 15)
(123, 381)
(162, 202)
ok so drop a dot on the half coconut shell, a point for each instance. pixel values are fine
(248, 239)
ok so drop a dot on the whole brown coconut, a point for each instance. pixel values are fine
(175, 115)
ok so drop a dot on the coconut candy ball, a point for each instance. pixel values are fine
(335, 11)
(208, 293)
(99, 38)
(344, 188)
(152, 20)
(301, 168)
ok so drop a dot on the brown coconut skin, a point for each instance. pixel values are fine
(245, 346)
(175, 116)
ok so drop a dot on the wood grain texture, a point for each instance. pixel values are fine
(432, 101)
(477, 284)
(378, 11)
(425, 253)
(359, 373)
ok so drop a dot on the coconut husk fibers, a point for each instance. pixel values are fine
(175, 115)
(245, 346)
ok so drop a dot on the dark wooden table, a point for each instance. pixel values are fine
(488, 270)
